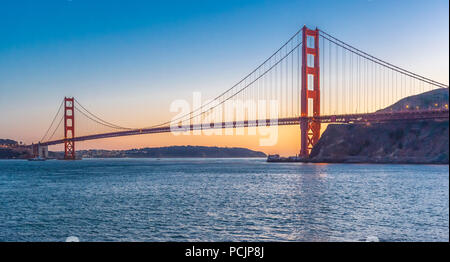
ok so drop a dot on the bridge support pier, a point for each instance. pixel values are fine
(40, 151)
(303, 136)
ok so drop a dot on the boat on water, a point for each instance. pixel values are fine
(278, 158)
(36, 159)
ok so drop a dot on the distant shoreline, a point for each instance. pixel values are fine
(153, 152)
(165, 157)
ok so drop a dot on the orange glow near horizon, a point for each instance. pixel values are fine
(288, 143)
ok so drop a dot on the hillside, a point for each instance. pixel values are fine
(432, 99)
(392, 142)
(8, 142)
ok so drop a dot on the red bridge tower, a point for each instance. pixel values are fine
(69, 129)
(310, 92)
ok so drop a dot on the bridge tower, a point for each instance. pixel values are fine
(69, 129)
(310, 91)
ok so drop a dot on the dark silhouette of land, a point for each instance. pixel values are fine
(172, 151)
(16, 152)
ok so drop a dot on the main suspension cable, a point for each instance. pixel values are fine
(54, 118)
(235, 85)
(381, 62)
(105, 123)
(98, 122)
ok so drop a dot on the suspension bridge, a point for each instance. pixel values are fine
(314, 78)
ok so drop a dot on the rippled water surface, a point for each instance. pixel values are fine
(221, 200)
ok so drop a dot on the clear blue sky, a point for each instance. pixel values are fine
(128, 59)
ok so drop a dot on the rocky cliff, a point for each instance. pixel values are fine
(390, 142)
(405, 142)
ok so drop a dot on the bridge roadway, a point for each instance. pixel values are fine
(348, 118)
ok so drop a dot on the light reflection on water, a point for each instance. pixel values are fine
(221, 200)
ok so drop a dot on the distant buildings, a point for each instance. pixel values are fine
(8, 143)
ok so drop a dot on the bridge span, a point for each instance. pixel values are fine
(314, 77)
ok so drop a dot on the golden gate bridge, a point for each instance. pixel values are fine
(315, 79)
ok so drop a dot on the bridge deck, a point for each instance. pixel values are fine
(349, 118)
